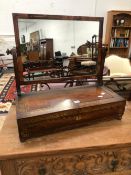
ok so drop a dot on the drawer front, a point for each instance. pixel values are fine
(80, 163)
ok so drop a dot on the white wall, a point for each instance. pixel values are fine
(63, 7)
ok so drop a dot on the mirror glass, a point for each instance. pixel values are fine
(53, 48)
(67, 35)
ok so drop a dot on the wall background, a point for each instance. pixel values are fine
(61, 7)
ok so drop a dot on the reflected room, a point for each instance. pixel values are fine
(53, 48)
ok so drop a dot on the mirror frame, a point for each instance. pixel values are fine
(17, 53)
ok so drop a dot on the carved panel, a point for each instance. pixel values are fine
(82, 163)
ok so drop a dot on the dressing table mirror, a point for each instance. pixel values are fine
(54, 48)
(43, 44)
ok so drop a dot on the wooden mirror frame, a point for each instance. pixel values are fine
(16, 53)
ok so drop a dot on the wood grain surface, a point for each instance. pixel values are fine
(105, 134)
(102, 148)
(57, 110)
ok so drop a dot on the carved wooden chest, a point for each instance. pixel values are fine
(56, 110)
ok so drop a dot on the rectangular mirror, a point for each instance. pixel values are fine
(53, 48)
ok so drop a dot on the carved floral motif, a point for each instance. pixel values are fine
(86, 163)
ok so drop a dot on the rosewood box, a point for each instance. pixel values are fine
(51, 111)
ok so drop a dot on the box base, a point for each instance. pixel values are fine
(51, 111)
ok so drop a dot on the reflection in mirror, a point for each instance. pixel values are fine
(67, 35)
(57, 48)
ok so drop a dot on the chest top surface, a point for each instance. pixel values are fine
(62, 100)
